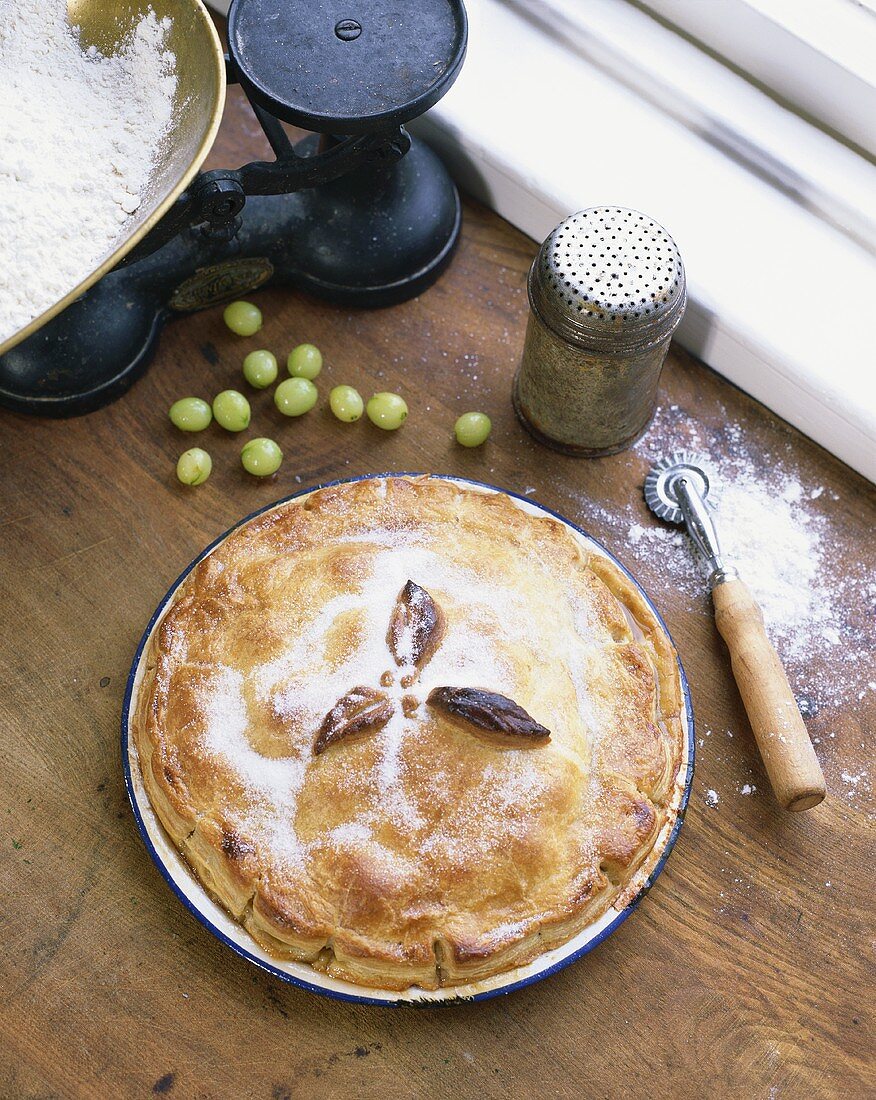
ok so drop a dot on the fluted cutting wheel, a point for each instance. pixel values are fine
(659, 494)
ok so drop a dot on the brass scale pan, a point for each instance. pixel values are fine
(197, 112)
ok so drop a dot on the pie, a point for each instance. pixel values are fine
(411, 733)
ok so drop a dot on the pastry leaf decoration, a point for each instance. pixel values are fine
(489, 711)
(416, 626)
(359, 711)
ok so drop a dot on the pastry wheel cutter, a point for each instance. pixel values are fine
(682, 489)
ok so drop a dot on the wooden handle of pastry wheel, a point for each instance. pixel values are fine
(782, 737)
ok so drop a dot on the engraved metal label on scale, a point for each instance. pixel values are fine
(219, 282)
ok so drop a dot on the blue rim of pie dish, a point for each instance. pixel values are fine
(340, 995)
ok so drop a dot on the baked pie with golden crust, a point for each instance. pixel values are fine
(411, 733)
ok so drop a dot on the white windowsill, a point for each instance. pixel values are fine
(780, 301)
(817, 54)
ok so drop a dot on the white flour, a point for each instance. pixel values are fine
(779, 535)
(78, 134)
(777, 547)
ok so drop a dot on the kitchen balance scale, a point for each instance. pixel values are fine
(357, 213)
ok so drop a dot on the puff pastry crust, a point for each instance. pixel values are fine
(415, 847)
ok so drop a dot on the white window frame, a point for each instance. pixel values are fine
(819, 56)
(712, 101)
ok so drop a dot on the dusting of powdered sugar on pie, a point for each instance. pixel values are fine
(301, 685)
(274, 783)
(288, 683)
(511, 930)
(394, 800)
(350, 833)
(516, 783)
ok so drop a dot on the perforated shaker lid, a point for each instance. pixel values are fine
(609, 278)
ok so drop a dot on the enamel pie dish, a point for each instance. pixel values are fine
(408, 739)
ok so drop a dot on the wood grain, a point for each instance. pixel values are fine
(778, 727)
(741, 973)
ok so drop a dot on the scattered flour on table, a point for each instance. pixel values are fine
(781, 541)
(78, 136)
(778, 530)
(779, 549)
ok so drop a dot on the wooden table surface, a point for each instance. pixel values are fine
(740, 974)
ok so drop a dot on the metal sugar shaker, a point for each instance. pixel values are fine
(606, 292)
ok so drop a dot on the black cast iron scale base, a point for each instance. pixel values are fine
(368, 219)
